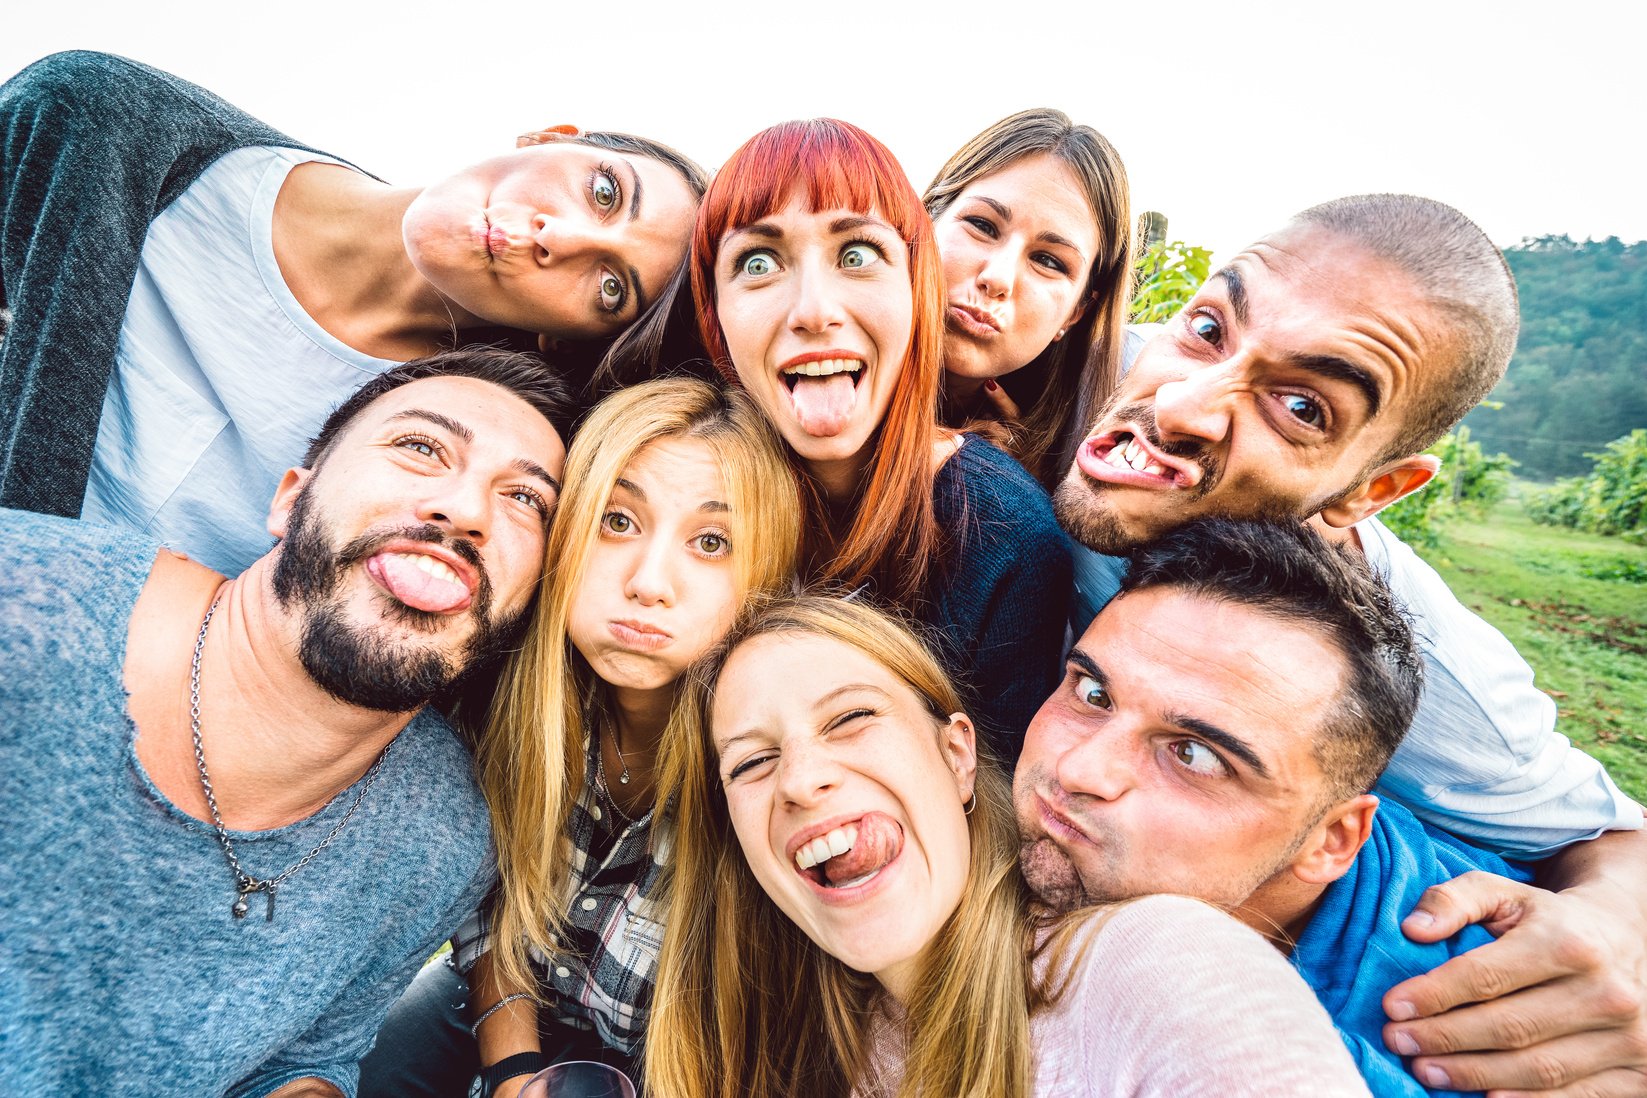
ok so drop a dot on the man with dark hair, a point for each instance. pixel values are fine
(232, 830)
(1299, 384)
(1216, 735)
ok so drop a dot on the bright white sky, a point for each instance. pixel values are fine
(1230, 115)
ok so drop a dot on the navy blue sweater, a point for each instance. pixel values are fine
(997, 598)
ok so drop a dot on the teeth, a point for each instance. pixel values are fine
(856, 881)
(825, 847)
(826, 367)
(436, 568)
(1155, 470)
(1131, 450)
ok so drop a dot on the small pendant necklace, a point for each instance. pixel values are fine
(245, 883)
(623, 778)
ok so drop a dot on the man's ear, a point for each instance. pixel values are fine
(959, 743)
(1331, 847)
(546, 135)
(1383, 486)
(280, 508)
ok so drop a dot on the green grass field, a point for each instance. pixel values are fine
(1575, 605)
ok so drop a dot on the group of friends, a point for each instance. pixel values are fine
(788, 632)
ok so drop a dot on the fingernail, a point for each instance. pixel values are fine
(1401, 1011)
(1404, 1043)
(1435, 1077)
(991, 386)
(1421, 920)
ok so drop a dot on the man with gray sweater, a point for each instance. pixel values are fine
(230, 829)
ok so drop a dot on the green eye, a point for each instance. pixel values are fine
(611, 293)
(859, 255)
(758, 264)
(617, 522)
(604, 189)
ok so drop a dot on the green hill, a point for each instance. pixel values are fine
(1579, 376)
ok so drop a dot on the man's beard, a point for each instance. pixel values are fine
(355, 663)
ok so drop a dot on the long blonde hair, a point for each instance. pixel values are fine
(530, 757)
(747, 1005)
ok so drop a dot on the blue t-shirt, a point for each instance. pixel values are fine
(1353, 951)
(122, 969)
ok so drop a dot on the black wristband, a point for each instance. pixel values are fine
(521, 1063)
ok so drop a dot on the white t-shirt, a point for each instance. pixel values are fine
(220, 377)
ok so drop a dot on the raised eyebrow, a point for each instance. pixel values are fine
(1061, 241)
(634, 190)
(858, 221)
(762, 229)
(631, 487)
(1236, 289)
(1085, 663)
(715, 506)
(1210, 732)
(444, 422)
(1002, 210)
(533, 469)
(638, 297)
(1339, 369)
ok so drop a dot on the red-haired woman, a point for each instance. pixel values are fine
(819, 289)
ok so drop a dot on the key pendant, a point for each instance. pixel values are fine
(271, 891)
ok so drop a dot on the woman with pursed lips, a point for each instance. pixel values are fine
(193, 291)
(857, 922)
(678, 508)
(819, 290)
(1034, 222)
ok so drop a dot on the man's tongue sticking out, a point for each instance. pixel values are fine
(401, 575)
(824, 404)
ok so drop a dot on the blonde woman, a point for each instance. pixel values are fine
(679, 505)
(857, 924)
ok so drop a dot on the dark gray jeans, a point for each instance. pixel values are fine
(425, 1050)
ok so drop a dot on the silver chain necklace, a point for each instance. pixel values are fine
(245, 883)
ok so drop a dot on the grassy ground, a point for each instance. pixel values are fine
(1575, 605)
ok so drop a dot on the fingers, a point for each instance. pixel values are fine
(1445, 909)
(546, 135)
(1581, 1061)
(1534, 1016)
(1004, 406)
(1619, 1083)
(1538, 946)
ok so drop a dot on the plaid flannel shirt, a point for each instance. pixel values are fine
(602, 976)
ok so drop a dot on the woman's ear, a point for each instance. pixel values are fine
(546, 135)
(959, 743)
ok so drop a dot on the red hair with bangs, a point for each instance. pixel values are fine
(892, 536)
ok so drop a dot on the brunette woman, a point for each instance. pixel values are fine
(819, 289)
(1034, 223)
(678, 507)
(856, 922)
(192, 291)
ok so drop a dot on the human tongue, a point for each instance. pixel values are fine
(417, 588)
(879, 841)
(823, 404)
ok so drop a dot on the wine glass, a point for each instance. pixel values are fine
(579, 1079)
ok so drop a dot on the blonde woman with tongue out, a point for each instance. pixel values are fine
(819, 290)
(857, 923)
(678, 508)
